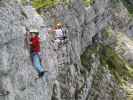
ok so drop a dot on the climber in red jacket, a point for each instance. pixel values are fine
(35, 52)
(35, 43)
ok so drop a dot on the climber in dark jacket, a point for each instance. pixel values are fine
(35, 52)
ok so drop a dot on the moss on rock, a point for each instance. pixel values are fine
(107, 32)
(24, 2)
(44, 4)
(86, 57)
(129, 5)
(88, 2)
(118, 66)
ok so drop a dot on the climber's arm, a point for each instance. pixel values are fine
(51, 30)
(27, 39)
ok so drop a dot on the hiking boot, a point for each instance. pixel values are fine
(41, 74)
(3, 92)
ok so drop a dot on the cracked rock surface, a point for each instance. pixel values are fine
(67, 77)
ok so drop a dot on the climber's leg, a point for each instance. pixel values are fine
(37, 64)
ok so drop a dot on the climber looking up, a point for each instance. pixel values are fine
(35, 51)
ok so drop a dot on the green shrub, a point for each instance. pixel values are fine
(115, 1)
(24, 2)
(88, 2)
(107, 33)
(44, 4)
(118, 66)
(129, 5)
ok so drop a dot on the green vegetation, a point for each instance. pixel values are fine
(129, 5)
(107, 33)
(121, 70)
(115, 1)
(86, 58)
(116, 64)
(24, 2)
(88, 2)
(44, 4)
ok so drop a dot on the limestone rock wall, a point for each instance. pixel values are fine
(67, 78)
(16, 71)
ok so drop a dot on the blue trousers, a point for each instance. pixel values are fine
(36, 59)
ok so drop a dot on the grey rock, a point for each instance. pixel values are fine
(67, 78)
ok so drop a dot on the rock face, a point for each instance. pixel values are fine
(75, 70)
(16, 70)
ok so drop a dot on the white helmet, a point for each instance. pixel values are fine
(34, 31)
